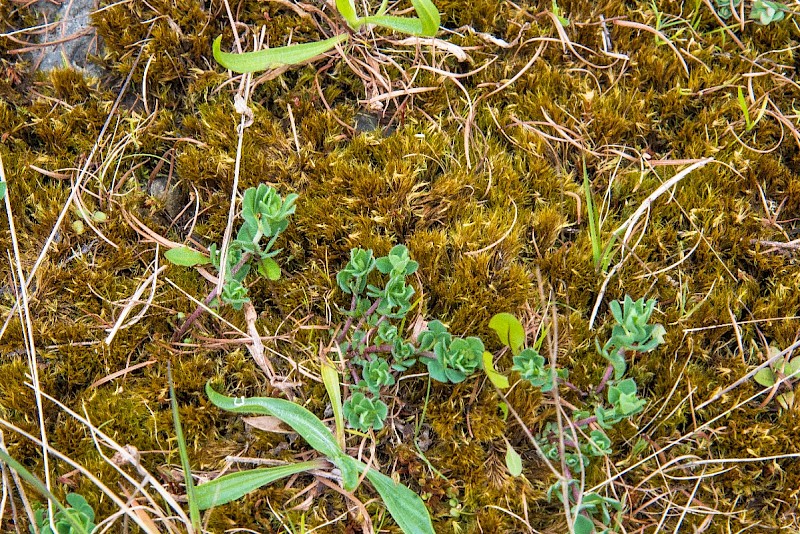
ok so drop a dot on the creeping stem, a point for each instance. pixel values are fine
(211, 296)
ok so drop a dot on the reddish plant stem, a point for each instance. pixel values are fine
(348, 322)
(211, 296)
(605, 379)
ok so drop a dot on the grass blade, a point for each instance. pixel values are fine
(594, 230)
(194, 511)
(233, 486)
(273, 57)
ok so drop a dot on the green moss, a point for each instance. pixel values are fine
(478, 231)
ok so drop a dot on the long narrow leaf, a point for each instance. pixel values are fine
(301, 420)
(429, 16)
(406, 507)
(273, 57)
(330, 377)
(347, 10)
(194, 511)
(407, 25)
(233, 486)
(31, 479)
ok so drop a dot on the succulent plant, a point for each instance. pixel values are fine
(363, 412)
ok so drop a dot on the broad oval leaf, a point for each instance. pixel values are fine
(186, 257)
(301, 420)
(499, 380)
(404, 505)
(509, 330)
(274, 57)
(233, 486)
(269, 268)
(583, 525)
(513, 461)
(765, 377)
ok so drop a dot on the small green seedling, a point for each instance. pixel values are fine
(266, 216)
(600, 256)
(783, 368)
(79, 511)
(724, 8)
(371, 337)
(765, 12)
(749, 123)
(631, 333)
(425, 24)
(557, 12)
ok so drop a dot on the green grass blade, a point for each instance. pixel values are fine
(594, 230)
(194, 511)
(37, 484)
(273, 57)
(743, 105)
(233, 486)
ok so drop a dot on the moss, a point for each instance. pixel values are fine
(478, 231)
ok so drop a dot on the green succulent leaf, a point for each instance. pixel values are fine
(364, 413)
(376, 374)
(353, 278)
(583, 525)
(398, 262)
(765, 12)
(274, 57)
